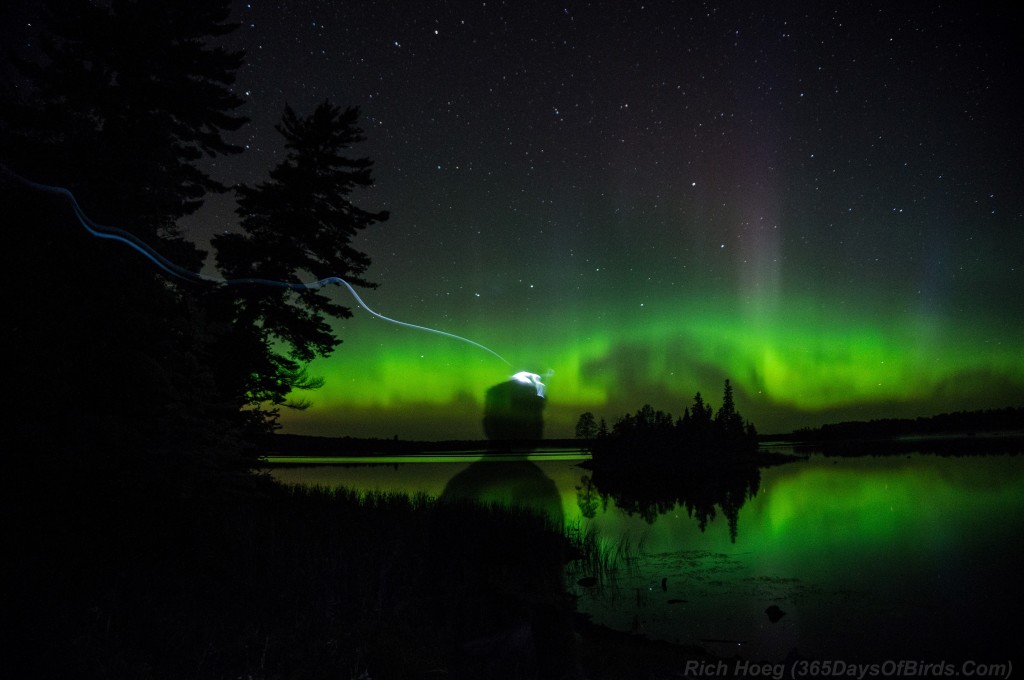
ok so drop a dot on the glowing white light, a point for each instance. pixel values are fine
(528, 378)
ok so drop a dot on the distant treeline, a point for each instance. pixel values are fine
(1007, 419)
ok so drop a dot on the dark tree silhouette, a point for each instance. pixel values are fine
(730, 426)
(127, 98)
(124, 100)
(651, 438)
(298, 225)
(650, 465)
(586, 426)
(695, 425)
(726, 419)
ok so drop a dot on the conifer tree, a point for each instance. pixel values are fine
(700, 414)
(129, 96)
(126, 98)
(297, 226)
(586, 426)
(728, 421)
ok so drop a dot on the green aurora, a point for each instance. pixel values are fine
(822, 204)
(798, 366)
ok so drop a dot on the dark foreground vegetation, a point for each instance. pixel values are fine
(256, 580)
(140, 542)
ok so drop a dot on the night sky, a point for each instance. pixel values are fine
(823, 205)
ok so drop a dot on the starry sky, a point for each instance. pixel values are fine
(823, 205)
(642, 199)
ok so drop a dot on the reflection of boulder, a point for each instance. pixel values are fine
(513, 411)
(519, 484)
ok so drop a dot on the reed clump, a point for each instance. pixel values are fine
(599, 560)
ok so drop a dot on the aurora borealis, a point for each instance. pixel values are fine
(823, 205)
(798, 368)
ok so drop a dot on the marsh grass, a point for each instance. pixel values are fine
(600, 558)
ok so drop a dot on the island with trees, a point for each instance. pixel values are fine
(652, 440)
(705, 461)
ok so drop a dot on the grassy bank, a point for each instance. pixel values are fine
(258, 580)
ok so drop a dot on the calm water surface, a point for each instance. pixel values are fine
(913, 557)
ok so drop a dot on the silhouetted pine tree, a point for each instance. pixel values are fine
(699, 433)
(126, 98)
(728, 421)
(586, 426)
(734, 433)
(298, 225)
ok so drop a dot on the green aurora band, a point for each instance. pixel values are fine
(798, 365)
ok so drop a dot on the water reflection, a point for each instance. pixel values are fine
(513, 421)
(512, 484)
(648, 493)
(589, 499)
(870, 558)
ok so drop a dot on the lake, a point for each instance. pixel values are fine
(868, 559)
